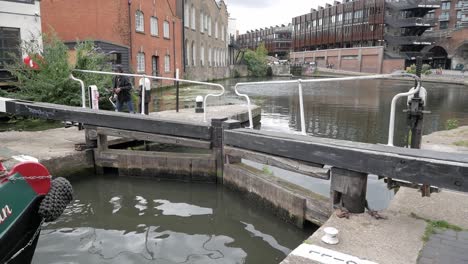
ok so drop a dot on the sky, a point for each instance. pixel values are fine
(256, 14)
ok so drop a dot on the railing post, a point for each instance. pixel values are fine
(348, 190)
(415, 113)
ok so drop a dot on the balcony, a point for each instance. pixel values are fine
(410, 22)
(414, 4)
(444, 18)
(409, 40)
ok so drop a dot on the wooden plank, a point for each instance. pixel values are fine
(348, 190)
(419, 153)
(110, 119)
(306, 168)
(427, 168)
(187, 142)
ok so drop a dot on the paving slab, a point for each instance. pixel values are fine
(399, 238)
(238, 112)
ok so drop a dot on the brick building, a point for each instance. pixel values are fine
(277, 40)
(396, 25)
(206, 39)
(143, 36)
(450, 49)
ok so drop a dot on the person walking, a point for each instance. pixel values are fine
(122, 88)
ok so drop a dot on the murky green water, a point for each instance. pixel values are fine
(351, 110)
(127, 220)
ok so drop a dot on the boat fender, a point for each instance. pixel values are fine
(56, 200)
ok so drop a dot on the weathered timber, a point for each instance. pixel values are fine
(179, 141)
(290, 202)
(306, 168)
(445, 170)
(110, 119)
(166, 165)
(348, 190)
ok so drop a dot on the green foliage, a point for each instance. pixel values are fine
(434, 226)
(256, 61)
(267, 170)
(426, 69)
(51, 82)
(461, 143)
(451, 124)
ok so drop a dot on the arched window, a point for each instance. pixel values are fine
(186, 15)
(139, 21)
(187, 53)
(202, 55)
(194, 54)
(193, 18)
(140, 62)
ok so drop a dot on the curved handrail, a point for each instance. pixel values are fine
(83, 92)
(367, 77)
(165, 78)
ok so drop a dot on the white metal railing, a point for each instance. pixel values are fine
(83, 92)
(301, 101)
(161, 78)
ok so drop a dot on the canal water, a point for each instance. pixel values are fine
(348, 110)
(128, 220)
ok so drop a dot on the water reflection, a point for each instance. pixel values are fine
(125, 220)
(351, 110)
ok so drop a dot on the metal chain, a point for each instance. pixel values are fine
(31, 241)
(15, 178)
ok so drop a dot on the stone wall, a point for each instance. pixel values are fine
(206, 40)
(364, 59)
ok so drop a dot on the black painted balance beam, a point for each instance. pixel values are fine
(124, 121)
(444, 170)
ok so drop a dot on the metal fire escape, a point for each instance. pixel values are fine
(405, 24)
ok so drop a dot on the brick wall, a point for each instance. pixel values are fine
(108, 20)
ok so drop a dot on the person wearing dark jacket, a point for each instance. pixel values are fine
(122, 87)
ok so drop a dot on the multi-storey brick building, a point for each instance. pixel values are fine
(143, 36)
(206, 39)
(450, 33)
(398, 26)
(277, 40)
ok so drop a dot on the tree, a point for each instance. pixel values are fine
(256, 61)
(51, 81)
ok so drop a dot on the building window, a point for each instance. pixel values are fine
(139, 21)
(166, 29)
(216, 29)
(445, 5)
(193, 18)
(459, 14)
(209, 26)
(140, 62)
(186, 15)
(194, 54)
(167, 63)
(154, 26)
(202, 56)
(222, 33)
(202, 19)
(210, 58)
(9, 44)
(187, 53)
(443, 25)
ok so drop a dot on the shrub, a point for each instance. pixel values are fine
(451, 124)
(256, 61)
(426, 69)
(51, 83)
